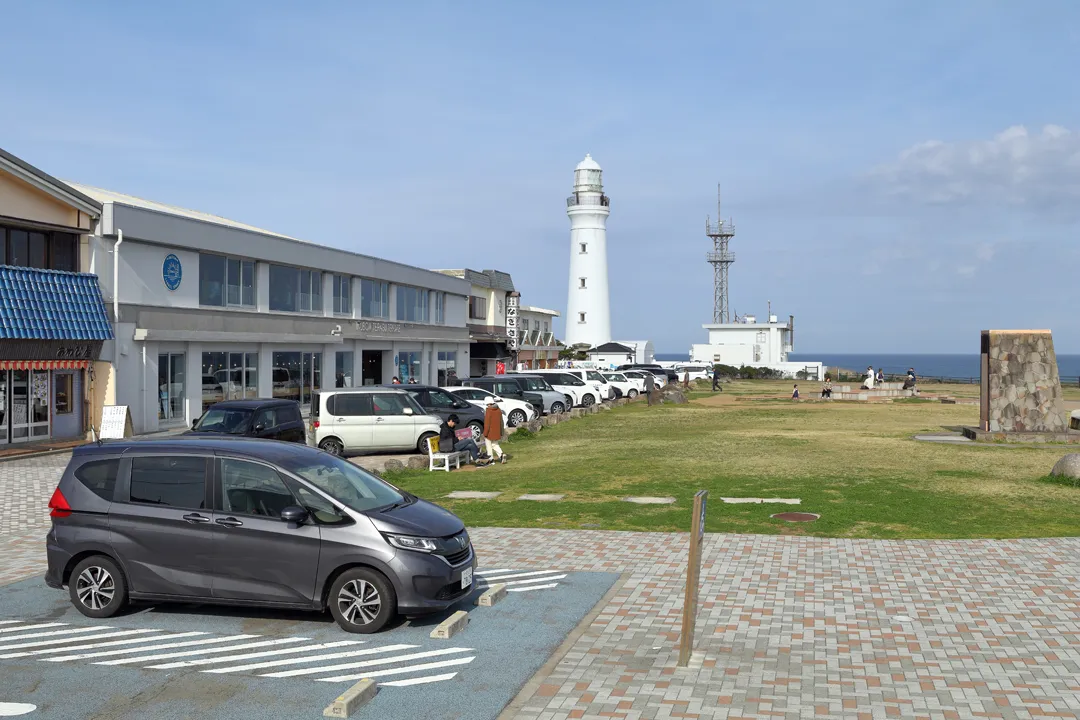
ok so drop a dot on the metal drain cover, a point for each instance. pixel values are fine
(796, 516)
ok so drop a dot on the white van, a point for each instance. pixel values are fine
(596, 379)
(696, 371)
(353, 420)
(576, 389)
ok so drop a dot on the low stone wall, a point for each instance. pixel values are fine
(1066, 437)
(1021, 388)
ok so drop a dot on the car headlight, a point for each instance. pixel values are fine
(411, 542)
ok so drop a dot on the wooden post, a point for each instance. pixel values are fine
(693, 575)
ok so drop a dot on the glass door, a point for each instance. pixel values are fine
(19, 389)
(251, 376)
(40, 417)
(171, 388)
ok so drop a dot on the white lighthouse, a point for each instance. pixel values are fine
(588, 312)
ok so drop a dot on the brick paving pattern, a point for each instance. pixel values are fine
(788, 628)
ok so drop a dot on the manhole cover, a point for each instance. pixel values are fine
(796, 517)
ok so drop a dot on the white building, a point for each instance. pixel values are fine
(211, 309)
(539, 349)
(753, 344)
(588, 311)
(490, 291)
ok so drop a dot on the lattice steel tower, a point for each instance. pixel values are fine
(721, 233)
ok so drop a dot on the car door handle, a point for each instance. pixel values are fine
(195, 518)
(378, 419)
(341, 419)
(229, 522)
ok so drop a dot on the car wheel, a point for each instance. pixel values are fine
(477, 430)
(332, 446)
(422, 443)
(97, 587)
(631, 393)
(516, 417)
(569, 401)
(557, 408)
(362, 601)
(588, 400)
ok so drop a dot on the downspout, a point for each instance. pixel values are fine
(116, 276)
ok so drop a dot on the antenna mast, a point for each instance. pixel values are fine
(720, 233)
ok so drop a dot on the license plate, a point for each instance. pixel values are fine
(466, 578)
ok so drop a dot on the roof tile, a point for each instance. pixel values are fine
(51, 305)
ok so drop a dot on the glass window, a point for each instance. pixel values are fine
(343, 367)
(3, 246)
(343, 481)
(232, 266)
(446, 363)
(440, 308)
(64, 252)
(409, 366)
(440, 399)
(289, 414)
(62, 393)
(231, 421)
(99, 476)
(215, 374)
(247, 283)
(374, 299)
(581, 317)
(390, 404)
(412, 304)
(267, 418)
(18, 248)
(37, 250)
(320, 508)
(477, 308)
(537, 384)
(342, 295)
(178, 482)
(211, 279)
(350, 405)
(581, 283)
(249, 488)
(284, 288)
(593, 375)
(584, 248)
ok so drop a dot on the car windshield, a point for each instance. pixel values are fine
(616, 377)
(593, 375)
(344, 482)
(233, 421)
(537, 384)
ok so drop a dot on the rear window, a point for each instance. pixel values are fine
(289, 413)
(316, 403)
(99, 476)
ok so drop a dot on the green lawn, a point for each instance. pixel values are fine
(853, 463)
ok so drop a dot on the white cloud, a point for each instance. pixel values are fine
(1015, 167)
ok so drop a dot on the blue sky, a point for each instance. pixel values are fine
(901, 175)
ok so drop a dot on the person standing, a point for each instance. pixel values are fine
(795, 392)
(686, 380)
(716, 379)
(650, 385)
(493, 431)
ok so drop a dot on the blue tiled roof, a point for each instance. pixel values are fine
(51, 305)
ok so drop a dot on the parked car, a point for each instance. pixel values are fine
(636, 376)
(267, 419)
(697, 371)
(219, 520)
(577, 392)
(368, 419)
(515, 412)
(624, 386)
(666, 374)
(436, 401)
(533, 389)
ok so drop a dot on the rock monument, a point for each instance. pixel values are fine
(1020, 390)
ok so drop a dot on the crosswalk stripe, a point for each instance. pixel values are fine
(366, 663)
(499, 578)
(52, 633)
(39, 626)
(531, 581)
(153, 648)
(94, 646)
(312, 658)
(399, 671)
(480, 573)
(250, 656)
(61, 641)
(201, 651)
(419, 681)
(532, 587)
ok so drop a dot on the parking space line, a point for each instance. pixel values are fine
(367, 663)
(493, 577)
(188, 643)
(312, 658)
(533, 580)
(39, 626)
(61, 641)
(532, 587)
(50, 633)
(492, 572)
(94, 646)
(262, 653)
(201, 651)
(420, 680)
(9, 622)
(399, 671)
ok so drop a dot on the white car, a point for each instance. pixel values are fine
(354, 420)
(577, 392)
(636, 376)
(515, 412)
(697, 372)
(624, 386)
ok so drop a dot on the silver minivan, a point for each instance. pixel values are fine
(356, 420)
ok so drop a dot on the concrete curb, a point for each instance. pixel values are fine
(27, 456)
(451, 626)
(352, 699)
(493, 595)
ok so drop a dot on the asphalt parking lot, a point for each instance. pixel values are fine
(182, 661)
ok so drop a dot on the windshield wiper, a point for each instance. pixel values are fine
(406, 499)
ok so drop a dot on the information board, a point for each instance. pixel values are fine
(115, 422)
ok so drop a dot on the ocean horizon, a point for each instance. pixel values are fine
(926, 365)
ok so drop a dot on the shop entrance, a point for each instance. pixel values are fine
(371, 367)
(171, 388)
(24, 405)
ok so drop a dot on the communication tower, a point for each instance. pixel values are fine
(721, 233)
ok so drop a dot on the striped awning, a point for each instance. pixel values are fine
(44, 364)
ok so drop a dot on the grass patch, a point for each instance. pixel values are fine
(853, 463)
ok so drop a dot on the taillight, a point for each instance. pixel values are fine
(59, 504)
(315, 424)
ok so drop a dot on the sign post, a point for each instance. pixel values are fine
(693, 576)
(115, 423)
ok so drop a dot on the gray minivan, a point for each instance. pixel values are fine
(238, 521)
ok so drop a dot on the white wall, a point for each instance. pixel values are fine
(588, 225)
(140, 273)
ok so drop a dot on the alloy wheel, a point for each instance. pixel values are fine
(557, 408)
(95, 587)
(517, 417)
(331, 446)
(359, 602)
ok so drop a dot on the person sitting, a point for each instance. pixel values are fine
(826, 389)
(909, 382)
(448, 441)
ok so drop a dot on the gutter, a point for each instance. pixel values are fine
(116, 276)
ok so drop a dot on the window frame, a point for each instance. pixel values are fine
(230, 264)
(481, 302)
(440, 308)
(219, 487)
(423, 303)
(301, 276)
(128, 474)
(382, 289)
(343, 304)
(68, 379)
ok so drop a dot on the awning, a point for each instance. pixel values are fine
(44, 364)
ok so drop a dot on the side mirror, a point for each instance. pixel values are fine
(258, 428)
(195, 423)
(498, 399)
(294, 514)
(406, 411)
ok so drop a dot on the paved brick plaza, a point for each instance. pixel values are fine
(789, 627)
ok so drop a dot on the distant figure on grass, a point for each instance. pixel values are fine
(650, 385)
(909, 382)
(449, 442)
(686, 380)
(868, 383)
(795, 392)
(716, 379)
(493, 431)
(826, 389)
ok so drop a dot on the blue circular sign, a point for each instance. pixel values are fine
(172, 272)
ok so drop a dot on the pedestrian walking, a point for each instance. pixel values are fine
(650, 385)
(716, 379)
(686, 380)
(795, 392)
(493, 431)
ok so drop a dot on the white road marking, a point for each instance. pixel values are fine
(202, 651)
(400, 671)
(150, 649)
(532, 580)
(10, 622)
(532, 587)
(61, 641)
(51, 633)
(500, 578)
(262, 653)
(312, 658)
(12, 709)
(419, 681)
(32, 627)
(478, 574)
(367, 663)
(94, 646)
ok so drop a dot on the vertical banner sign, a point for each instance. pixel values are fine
(512, 322)
(500, 368)
(693, 576)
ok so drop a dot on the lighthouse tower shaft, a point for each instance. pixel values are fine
(588, 309)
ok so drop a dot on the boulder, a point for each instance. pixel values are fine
(1068, 466)
(592, 409)
(673, 395)
(535, 425)
(507, 432)
(418, 462)
(563, 417)
(606, 405)
(577, 412)
(551, 420)
(393, 465)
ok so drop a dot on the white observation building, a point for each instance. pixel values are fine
(588, 312)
